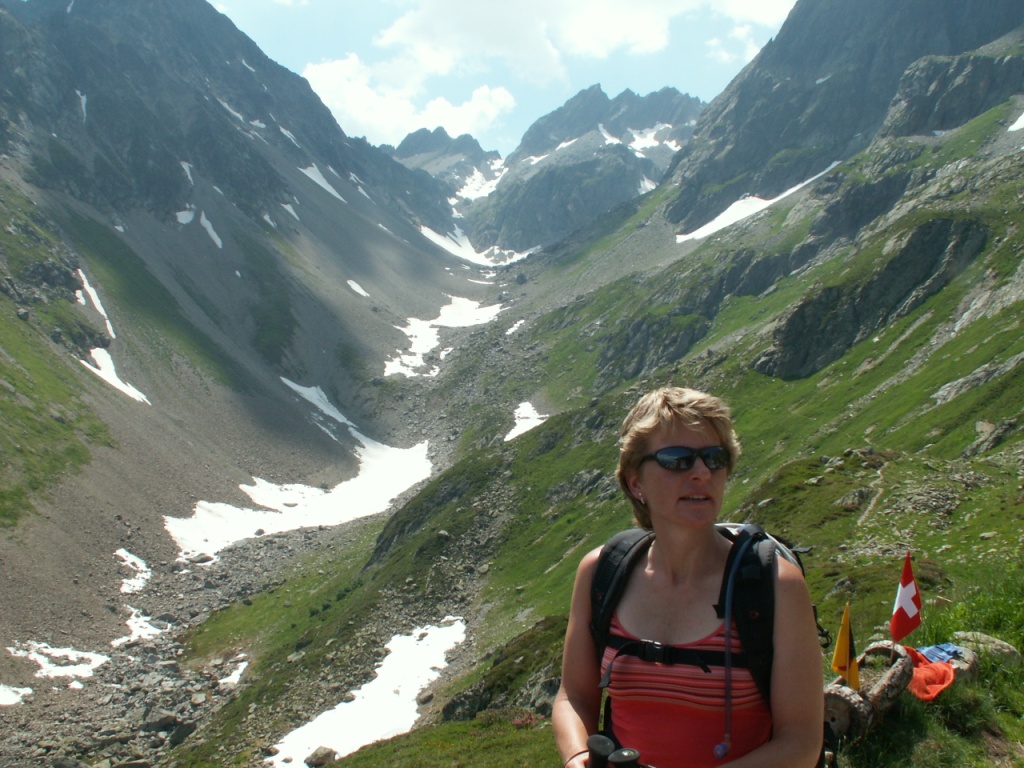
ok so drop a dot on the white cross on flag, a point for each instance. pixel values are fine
(906, 612)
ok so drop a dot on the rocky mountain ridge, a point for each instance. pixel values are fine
(590, 155)
(818, 93)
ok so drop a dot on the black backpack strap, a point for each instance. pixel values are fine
(753, 607)
(614, 564)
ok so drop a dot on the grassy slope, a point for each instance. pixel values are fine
(45, 427)
(878, 395)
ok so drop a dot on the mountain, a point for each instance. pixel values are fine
(864, 327)
(572, 166)
(184, 216)
(818, 93)
(453, 161)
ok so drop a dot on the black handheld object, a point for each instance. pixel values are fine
(600, 747)
(624, 758)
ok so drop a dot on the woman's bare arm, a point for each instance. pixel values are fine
(576, 709)
(797, 704)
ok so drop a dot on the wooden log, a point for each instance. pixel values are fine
(894, 680)
(849, 714)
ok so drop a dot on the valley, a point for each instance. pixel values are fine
(328, 429)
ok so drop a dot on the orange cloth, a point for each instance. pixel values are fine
(930, 677)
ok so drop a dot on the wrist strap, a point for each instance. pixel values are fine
(573, 757)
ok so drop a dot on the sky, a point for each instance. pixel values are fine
(492, 67)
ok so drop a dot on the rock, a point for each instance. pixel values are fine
(160, 721)
(320, 756)
(965, 667)
(984, 645)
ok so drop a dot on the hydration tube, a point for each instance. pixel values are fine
(721, 750)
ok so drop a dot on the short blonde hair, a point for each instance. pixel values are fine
(663, 409)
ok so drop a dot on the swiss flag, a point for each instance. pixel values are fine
(906, 612)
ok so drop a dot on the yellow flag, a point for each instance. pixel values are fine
(844, 658)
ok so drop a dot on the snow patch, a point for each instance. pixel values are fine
(140, 629)
(82, 100)
(143, 573)
(9, 696)
(289, 135)
(357, 288)
(236, 675)
(608, 138)
(527, 418)
(314, 173)
(237, 115)
(384, 707)
(744, 208)
(288, 207)
(187, 167)
(103, 366)
(647, 138)
(424, 335)
(205, 223)
(1017, 125)
(94, 297)
(214, 525)
(458, 244)
(59, 662)
(478, 185)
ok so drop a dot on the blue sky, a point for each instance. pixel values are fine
(492, 67)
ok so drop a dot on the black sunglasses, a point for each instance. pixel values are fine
(679, 458)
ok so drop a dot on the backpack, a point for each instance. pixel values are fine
(747, 597)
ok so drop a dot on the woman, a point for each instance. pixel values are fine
(677, 449)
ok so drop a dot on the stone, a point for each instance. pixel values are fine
(984, 645)
(321, 756)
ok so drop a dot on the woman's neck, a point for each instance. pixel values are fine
(682, 555)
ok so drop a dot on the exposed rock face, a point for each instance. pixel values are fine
(452, 161)
(130, 102)
(938, 93)
(826, 323)
(578, 162)
(818, 93)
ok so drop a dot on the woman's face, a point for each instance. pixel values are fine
(689, 497)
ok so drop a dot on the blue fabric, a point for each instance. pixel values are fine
(942, 652)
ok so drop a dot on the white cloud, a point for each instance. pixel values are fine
(768, 13)
(740, 46)
(535, 35)
(365, 105)
(531, 41)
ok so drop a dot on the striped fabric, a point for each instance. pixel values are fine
(674, 714)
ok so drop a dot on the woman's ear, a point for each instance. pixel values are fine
(633, 483)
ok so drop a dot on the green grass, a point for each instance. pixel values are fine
(46, 429)
(500, 739)
(143, 301)
(865, 424)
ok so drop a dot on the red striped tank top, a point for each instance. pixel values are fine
(675, 714)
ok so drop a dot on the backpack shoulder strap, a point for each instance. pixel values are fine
(614, 564)
(753, 607)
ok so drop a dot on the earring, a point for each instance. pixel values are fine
(642, 499)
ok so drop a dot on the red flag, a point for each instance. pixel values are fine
(906, 612)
